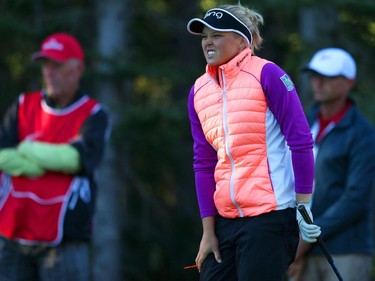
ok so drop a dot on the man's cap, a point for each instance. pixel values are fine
(332, 62)
(222, 21)
(60, 47)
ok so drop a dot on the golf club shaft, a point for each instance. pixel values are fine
(320, 242)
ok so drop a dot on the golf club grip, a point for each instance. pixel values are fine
(306, 217)
(319, 240)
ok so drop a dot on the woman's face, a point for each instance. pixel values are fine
(220, 47)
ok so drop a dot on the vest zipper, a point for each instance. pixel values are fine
(227, 147)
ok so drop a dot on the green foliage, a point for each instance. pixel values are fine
(153, 136)
(163, 234)
(14, 57)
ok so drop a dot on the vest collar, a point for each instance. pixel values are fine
(232, 67)
(50, 102)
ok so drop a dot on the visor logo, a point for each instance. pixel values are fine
(218, 15)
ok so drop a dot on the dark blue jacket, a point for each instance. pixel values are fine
(343, 202)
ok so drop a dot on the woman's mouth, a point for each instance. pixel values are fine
(210, 53)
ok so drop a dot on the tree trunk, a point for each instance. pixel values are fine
(108, 242)
(318, 27)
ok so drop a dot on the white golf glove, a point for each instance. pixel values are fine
(309, 232)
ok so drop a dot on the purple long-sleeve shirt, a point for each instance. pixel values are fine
(285, 104)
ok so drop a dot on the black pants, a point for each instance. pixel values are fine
(254, 248)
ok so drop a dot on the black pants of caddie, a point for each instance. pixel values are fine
(253, 248)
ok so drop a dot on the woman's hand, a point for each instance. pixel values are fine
(209, 242)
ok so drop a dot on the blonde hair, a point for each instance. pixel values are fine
(252, 19)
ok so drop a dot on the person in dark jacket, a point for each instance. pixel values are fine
(51, 143)
(344, 151)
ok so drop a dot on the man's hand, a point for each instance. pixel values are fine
(296, 269)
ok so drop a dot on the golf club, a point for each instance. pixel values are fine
(320, 242)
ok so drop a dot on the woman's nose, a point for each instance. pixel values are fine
(208, 41)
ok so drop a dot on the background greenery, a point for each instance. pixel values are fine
(141, 63)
